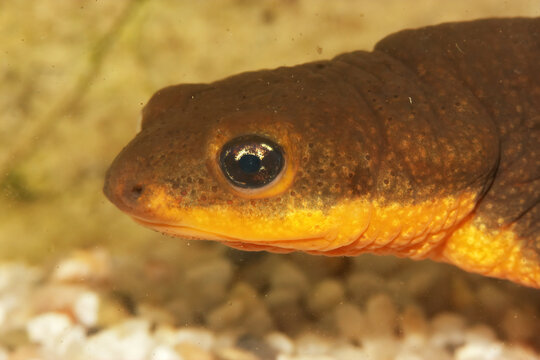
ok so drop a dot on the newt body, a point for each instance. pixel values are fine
(426, 147)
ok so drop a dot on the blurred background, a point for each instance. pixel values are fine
(75, 74)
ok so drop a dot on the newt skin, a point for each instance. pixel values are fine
(426, 147)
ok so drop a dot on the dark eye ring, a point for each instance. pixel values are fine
(251, 161)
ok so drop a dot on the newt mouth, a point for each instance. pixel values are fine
(183, 231)
(191, 233)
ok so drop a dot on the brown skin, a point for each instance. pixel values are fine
(425, 147)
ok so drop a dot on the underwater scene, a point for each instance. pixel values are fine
(273, 215)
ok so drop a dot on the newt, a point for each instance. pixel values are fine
(426, 147)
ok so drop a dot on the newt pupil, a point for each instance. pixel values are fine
(249, 163)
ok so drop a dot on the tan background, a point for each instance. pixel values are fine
(74, 75)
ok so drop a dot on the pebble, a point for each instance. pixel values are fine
(58, 335)
(325, 295)
(349, 352)
(155, 314)
(163, 352)
(203, 338)
(308, 357)
(289, 277)
(413, 322)
(111, 311)
(363, 285)
(84, 266)
(243, 309)
(493, 299)
(380, 347)
(226, 315)
(189, 351)
(86, 308)
(448, 330)
(309, 344)
(129, 340)
(351, 322)
(235, 354)
(382, 315)
(208, 283)
(518, 325)
(256, 346)
(280, 342)
(17, 282)
(477, 351)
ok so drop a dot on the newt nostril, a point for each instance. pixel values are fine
(136, 191)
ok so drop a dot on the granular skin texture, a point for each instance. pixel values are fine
(426, 147)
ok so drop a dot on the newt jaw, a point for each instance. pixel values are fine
(188, 232)
(349, 228)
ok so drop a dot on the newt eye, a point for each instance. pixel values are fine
(251, 161)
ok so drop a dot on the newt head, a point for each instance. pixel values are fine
(286, 160)
(426, 147)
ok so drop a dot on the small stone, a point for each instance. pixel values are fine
(111, 311)
(84, 265)
(225, 339)
(17, 283)
(421, 351)
(207, 283)
(381, 314)
(349, 352)
(201, 337)
(258, 321)
(278, 298)
(86, 308)
(256, 345)
(128, 340)
(413, 322)
(478, 351)
(288, 276)
(225, 315)
(280, 342)
(306, 357)
(363, 285)
(380, 347)
(351, 322)
(518, 352)
(163, 352)
(448, 331)
(47, 328)
(493, 299)
(190, 351)
(235, 354)
(518, 325)
(26, 353)
(480, 334)
(155, 314)
(56, 333)
(15, 338)
(463, 296)
(419, 280)
(309, 344)
(326, 294)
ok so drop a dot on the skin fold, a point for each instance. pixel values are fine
(426, 147)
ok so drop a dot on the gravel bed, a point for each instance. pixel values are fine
(247, 306)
